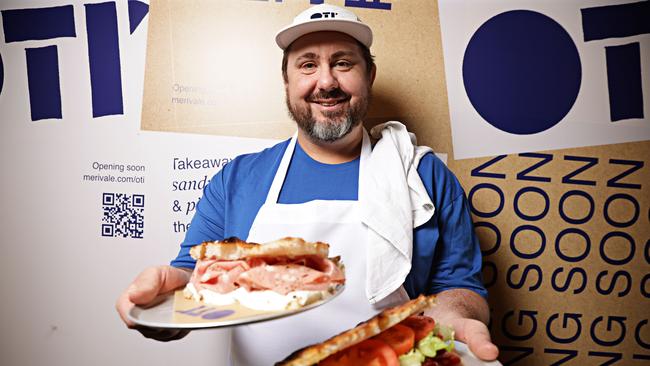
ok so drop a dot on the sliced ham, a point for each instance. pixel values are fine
(284, 278)
(218, 276)
(282, 275)
(328, 267)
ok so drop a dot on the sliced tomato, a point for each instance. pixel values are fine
(371, 352)
(399, 337)
(421, 325)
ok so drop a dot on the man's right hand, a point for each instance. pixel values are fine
(150, 283)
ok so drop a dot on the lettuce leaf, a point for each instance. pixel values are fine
(441, 338)
(412, 358)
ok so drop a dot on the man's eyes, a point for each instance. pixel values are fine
(308, 65)
(343, 64)
(339, 65)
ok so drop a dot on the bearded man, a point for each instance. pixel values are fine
(328, 183)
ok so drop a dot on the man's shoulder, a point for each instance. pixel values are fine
(439, 180)
(270, 153)
(431, 164)
(268, 158)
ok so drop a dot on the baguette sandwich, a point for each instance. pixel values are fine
(395, 337)
(286, 274)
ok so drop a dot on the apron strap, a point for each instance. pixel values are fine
(278, 180)
(366, 149)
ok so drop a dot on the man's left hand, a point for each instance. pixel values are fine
(468, 313)
(475, 334)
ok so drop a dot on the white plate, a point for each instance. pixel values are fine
(469, 359)
(160, 314)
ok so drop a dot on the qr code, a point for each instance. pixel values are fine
(123, 215)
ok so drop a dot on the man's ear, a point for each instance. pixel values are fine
(373, 73)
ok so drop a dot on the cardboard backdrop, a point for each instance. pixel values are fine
(560, 203)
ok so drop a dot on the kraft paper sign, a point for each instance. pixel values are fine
(213, 67)
(565, 236)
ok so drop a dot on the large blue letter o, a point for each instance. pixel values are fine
(522, 72)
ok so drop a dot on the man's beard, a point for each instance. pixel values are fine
(337, 124)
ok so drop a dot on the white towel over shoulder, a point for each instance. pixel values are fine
(393, 201)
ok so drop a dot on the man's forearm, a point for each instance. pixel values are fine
(459, 303)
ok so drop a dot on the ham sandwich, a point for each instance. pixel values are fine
(285, 274)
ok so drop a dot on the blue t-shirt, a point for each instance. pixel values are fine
(308, 180)
(446, 253)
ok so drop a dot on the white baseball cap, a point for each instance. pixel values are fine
(324, 17)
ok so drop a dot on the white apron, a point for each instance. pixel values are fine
(334, 222)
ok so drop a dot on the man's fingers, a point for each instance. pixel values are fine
(154, 281)
(146, 286)
(123, 306)
(163, 335)
(173, 278)
(477, 337)
(481, 345)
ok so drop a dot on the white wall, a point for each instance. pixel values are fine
(59, 277)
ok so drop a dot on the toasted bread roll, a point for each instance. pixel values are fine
(234, 249)
(313, 354)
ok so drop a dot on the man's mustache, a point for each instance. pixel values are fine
(329, 94)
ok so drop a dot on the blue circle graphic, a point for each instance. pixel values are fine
(522, 72)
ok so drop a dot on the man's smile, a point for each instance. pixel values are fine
(330, 103)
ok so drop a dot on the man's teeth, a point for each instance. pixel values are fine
(329, 104)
